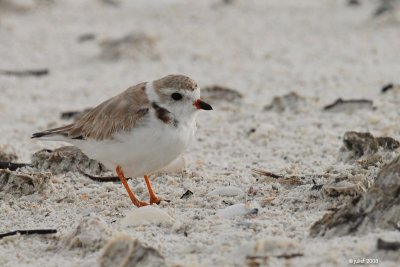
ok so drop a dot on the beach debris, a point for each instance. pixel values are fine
(252, 191)
(7, 160)
(101, 179)
(374, 160)
(12, 166)
(391, 92)
(289, 102)
(268, 200)
(246, 209)
(353, 2)
(125, 251)
(131, 46)
(349, 106)
(25, 73)
(65, 159)
(316, 186)
(359, 144)
(388, 250)
(385, 6)
(267, 173)
(146, 215)
(24, 183)
(187, 194)
(386, 245)
(29, 232)
(7, 156)
(114, 3)
(90, 235)
(11, 5)
(217, 93)
(251, 131)
(75, 115)
(272, 248)
(388, 143)
(226, 191)
(352, 185)
(377, 208)
(290, 180)
(86, 37)
(22, 5)
(387, 87)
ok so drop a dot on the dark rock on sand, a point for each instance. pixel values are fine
(361, 144)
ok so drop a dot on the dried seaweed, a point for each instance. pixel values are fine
(25, 73)
(29, 232)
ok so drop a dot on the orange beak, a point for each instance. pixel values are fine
(199, 104)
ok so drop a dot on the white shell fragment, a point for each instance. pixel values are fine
(125, 251)
(146, 215)
(228, 191)
(249, 208)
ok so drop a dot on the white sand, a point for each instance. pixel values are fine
(320, 49)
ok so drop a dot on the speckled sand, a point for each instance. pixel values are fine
(322, 50)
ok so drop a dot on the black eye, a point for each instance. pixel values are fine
(176, 96)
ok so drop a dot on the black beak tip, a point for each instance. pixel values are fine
(203, 105)
(207, 107)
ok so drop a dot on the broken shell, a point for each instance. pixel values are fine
(146, 215)
(347, 185)
(90, 235)
(249, 208)
(18, 183)
(124, 251)
(228, 191)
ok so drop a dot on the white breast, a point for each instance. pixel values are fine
(145, 149)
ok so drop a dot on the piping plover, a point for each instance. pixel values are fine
(139, 131)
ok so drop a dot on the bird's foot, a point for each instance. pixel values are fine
(154, 200)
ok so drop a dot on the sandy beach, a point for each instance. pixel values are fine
(272, 178)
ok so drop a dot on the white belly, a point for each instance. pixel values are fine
(143, 150)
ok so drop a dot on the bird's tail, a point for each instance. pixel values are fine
(56, 134)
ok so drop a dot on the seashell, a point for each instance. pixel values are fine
(90, 234)
(146, 215)
(125, 251)
(227, 191)
(249, 208)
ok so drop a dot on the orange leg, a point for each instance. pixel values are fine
(153, 197)
(135, 201)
